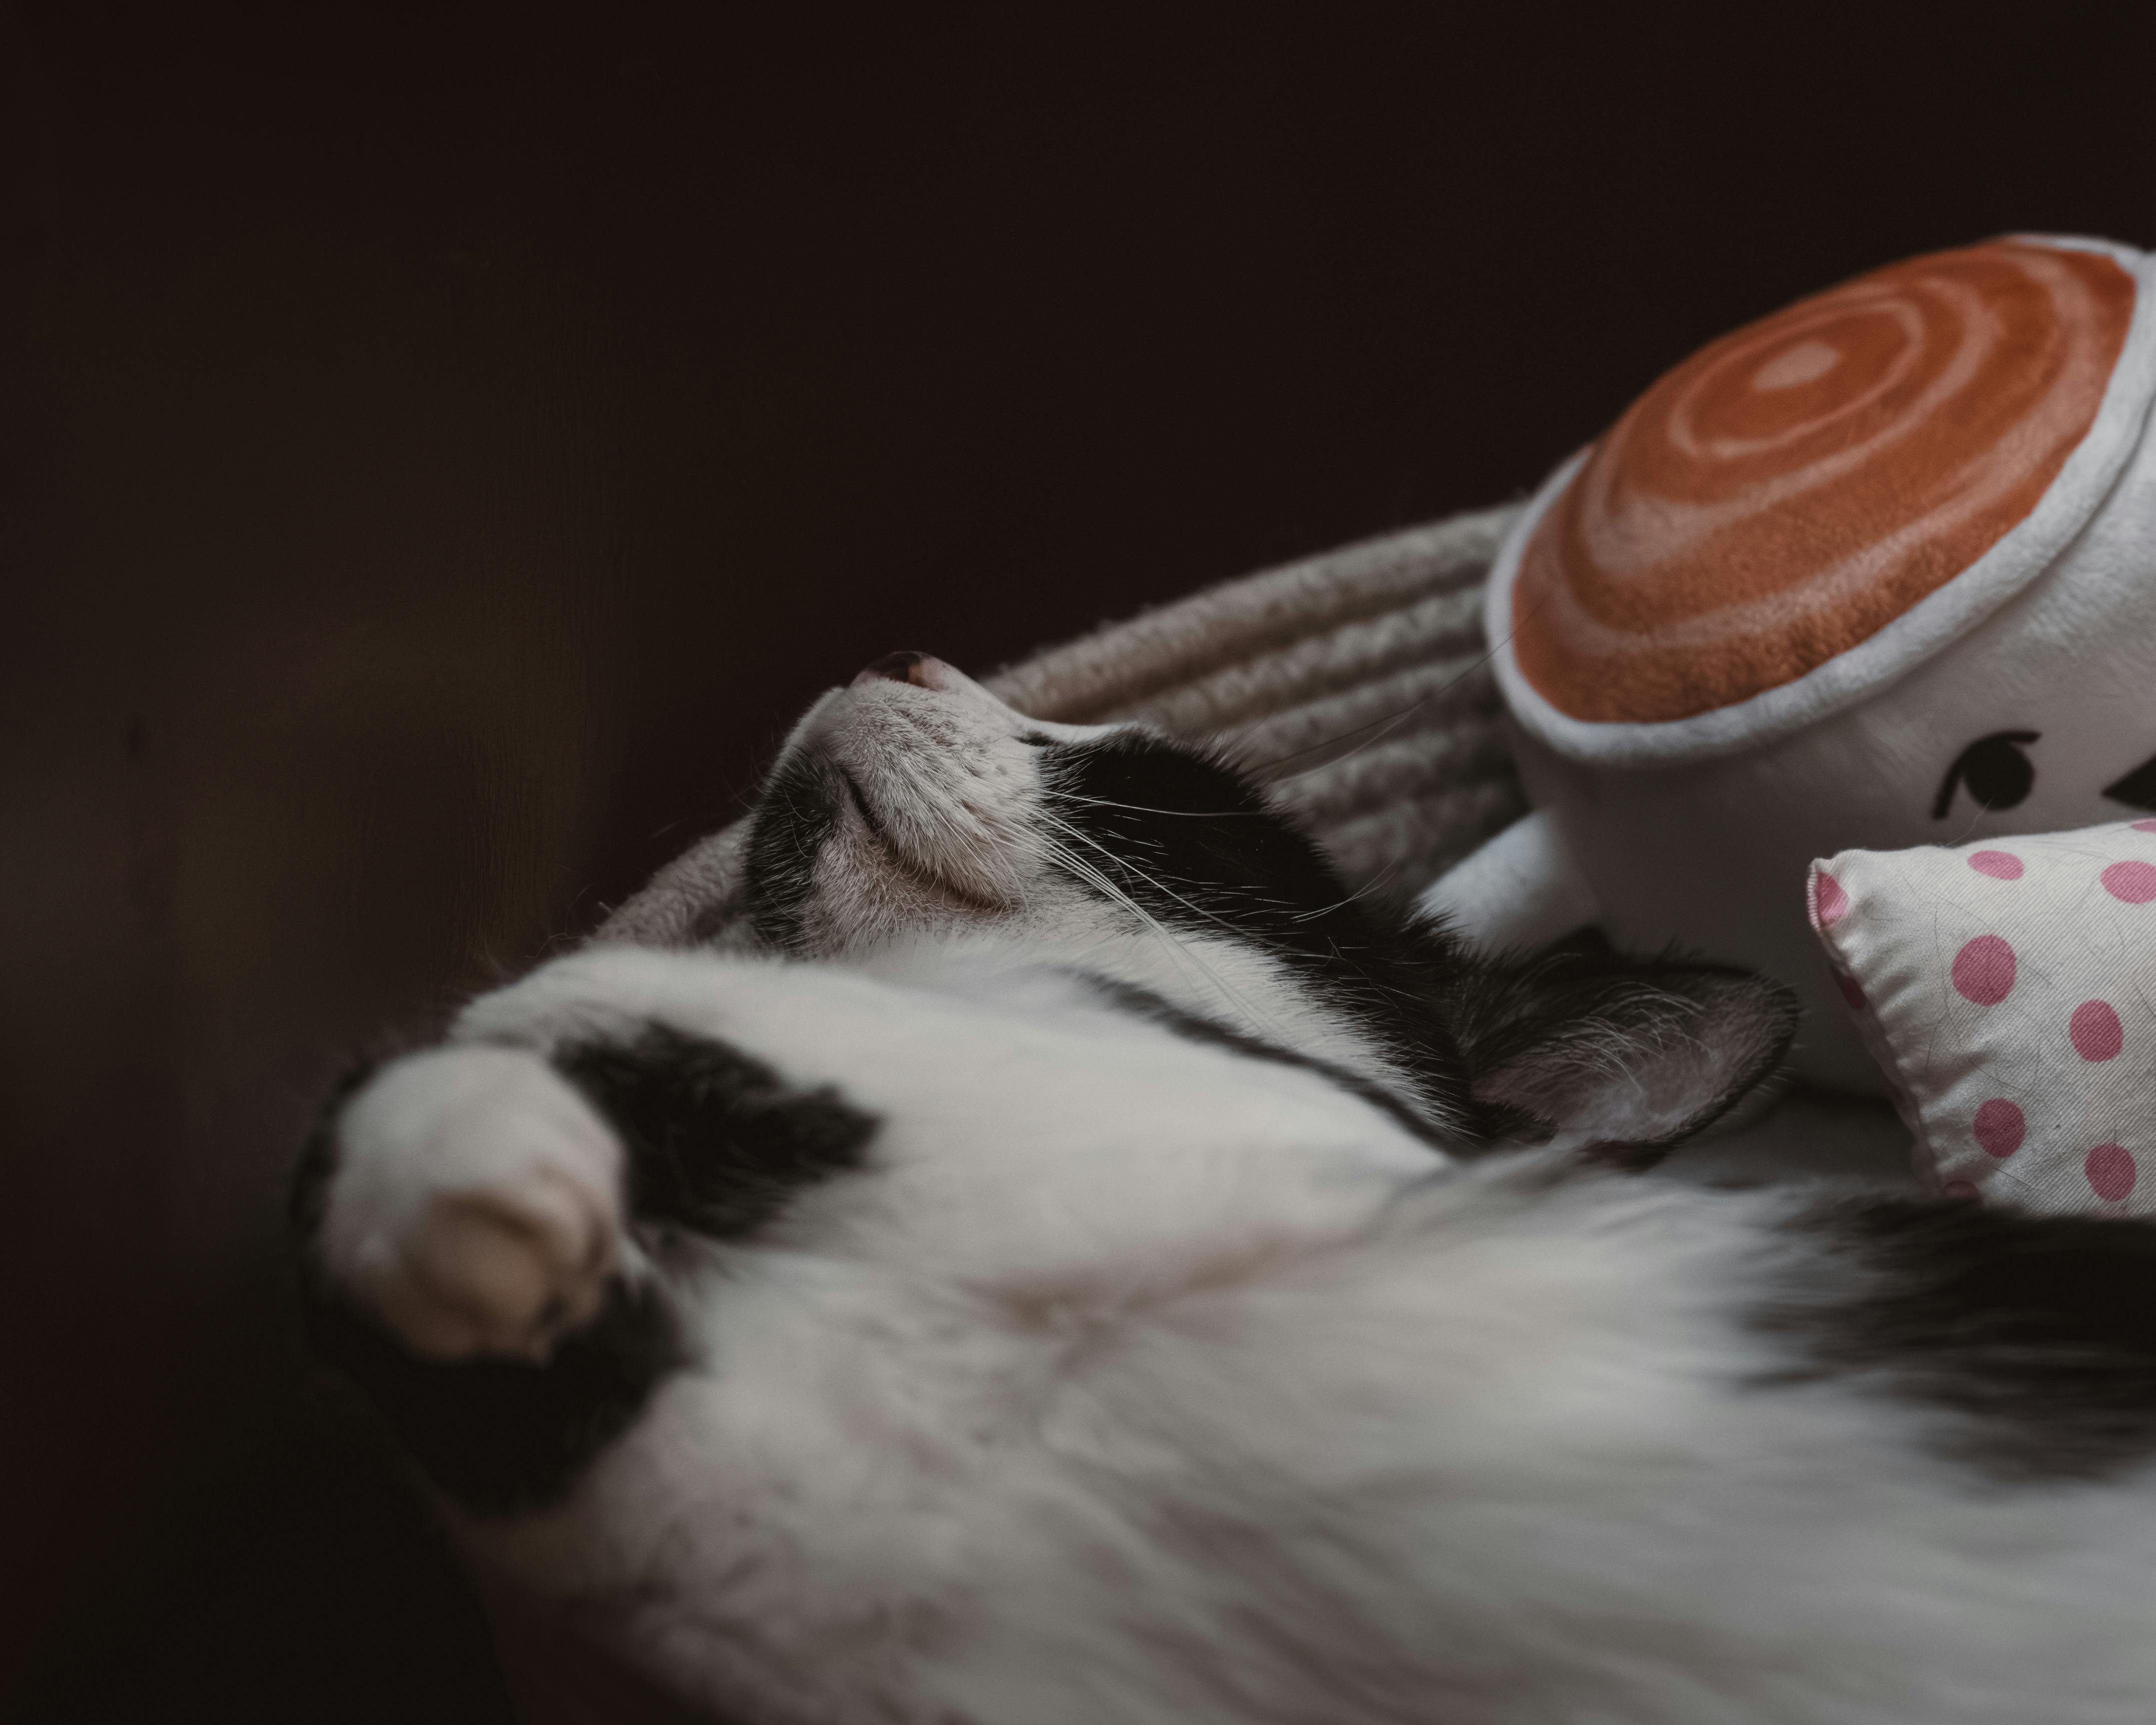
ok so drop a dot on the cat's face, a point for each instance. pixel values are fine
(914, 799)
(913, 806)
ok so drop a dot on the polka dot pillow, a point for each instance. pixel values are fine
(2009, 990)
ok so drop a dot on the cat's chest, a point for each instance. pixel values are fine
(1264, 1001)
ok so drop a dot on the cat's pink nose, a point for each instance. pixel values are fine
(922, 669)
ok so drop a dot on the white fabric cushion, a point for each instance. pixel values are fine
(2008, 987)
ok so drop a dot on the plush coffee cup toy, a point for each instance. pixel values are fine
(1877, 571)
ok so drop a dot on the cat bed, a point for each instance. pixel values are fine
(1355, 684)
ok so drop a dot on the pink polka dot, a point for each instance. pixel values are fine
(1850, 991)
(1999, 1127)
(1829, 903)
(1961, 1192)
(2144, 826)
(2096, 1031)
(2132, 883)
(1983, 970)
(2111, 1172)
(1999, 865)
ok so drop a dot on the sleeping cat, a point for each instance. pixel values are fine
(1064, 1258)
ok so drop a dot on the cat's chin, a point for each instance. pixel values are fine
(914, 892)
(928, 869)
(872, 885)
(933, 788)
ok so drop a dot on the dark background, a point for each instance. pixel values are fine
(436, 460)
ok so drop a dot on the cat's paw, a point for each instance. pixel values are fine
(506, 1269)
(475, 1204)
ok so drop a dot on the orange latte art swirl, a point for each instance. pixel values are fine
(1793, 488)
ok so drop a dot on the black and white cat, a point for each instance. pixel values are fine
(1072, 1261)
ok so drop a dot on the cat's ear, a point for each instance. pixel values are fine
(1617, 1059)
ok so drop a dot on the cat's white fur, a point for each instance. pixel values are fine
(1134, 1380)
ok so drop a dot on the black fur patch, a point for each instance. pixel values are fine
(1197, 847)
(716, 1143)
(793, 817)
(2039, 1331)
(497, 1435)
(717, 1140)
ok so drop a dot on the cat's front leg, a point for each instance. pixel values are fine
(460, 1219)
(474, 1204)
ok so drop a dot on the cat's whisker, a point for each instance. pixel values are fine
(1220, 983)
(1095, 877)
(1180, 814)
(1179, 951)
(1152, 881)
(1270, 770)
(1355, 896)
